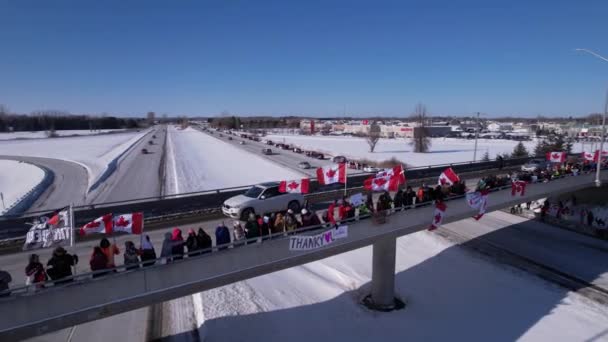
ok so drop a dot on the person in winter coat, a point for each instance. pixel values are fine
(110, 250)
(329, 215)
(252, 229)
(34, 271)
(271, 220)
(265, 227)
(420, 197)
(192, 243)
(204, 241)
(131, 256)
(5, 279)
(408, 196)
(167, 248)
(309, 218)
(279, 224)
(177, 248)
(291, 222)
(344, 210)
(369, 202)
(384, 202)
(60, 265)
(398, 199)
(222, 236)
(99, 261)
(238, 232)
(148, 254)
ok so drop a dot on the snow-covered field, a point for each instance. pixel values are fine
(443, 150)
(197, 161)
(93, 152)
(451, 294)
(61, 133)
(16, 179)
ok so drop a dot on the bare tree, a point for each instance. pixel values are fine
(421, 141)
(373, 135)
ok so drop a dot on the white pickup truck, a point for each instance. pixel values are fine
(261, 199)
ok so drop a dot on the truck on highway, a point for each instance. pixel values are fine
(262, 199)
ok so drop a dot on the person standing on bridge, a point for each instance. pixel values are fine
(148, 254)
(252, 228)
(279, 224)
(204, 241)
(5, 279)
(192, 244)
(131, 256)
(167, 248)
(177, 248)
(98, 262)
(34, 271)
(222, 236)
(60, 265)
(110, 250)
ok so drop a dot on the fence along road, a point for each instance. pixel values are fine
(64, 306)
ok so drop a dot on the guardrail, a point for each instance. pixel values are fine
(26, 201)
(211, 200)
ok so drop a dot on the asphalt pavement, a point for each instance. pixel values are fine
(286, 158)
(69, 184)
(138, 174)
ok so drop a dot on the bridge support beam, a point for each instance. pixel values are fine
(382, 296)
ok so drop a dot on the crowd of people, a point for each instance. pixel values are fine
(256, 228)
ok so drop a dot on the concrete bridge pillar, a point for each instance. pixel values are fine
(383, 276)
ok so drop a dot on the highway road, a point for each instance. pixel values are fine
(286, 158)
(69, 184)
(138, 175)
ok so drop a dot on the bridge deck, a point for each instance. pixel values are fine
(31, 314)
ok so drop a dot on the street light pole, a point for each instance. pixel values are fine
(476, 136)
(598, 181)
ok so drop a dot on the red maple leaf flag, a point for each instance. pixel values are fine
(518, 188)
(295, 186)
(132, 223)
(556, 157)
(588, 156)
(438, 215)
(101, 225)
(448, 177)
(332, 174)
(396, 171)
(382, 183)
(597, 153)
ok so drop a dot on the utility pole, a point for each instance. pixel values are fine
(476, 136)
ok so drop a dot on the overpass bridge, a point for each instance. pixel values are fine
(25, 314)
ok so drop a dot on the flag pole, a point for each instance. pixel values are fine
(71, 224)
(345, 178)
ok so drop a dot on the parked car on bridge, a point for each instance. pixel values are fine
(261, 199)
(535, 165)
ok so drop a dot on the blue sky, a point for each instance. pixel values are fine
(315, 58)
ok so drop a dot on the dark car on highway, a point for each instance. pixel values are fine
(340, 159)
(267, 151)
(285, 147)
(269, 142)
(144, 151)
(297, 150)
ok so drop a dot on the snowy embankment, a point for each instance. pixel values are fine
(94, 152)
(61, 133)
(197, 162)
(450, 294)
(16, 180)
(443, 150)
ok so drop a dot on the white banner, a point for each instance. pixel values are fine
(356, 199)
(305, 243)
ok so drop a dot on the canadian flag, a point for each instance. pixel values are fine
(332, 174)
(101, 225)
(132, 223)
(556, 157)
(295, 186)
(518, 188)
(448, 177)
(597, 152)
(438, 215)
(396, 171)
(589, 156)
(478, 200)
(382, 183)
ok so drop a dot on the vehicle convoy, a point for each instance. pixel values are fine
(261, 199)
(535, 165)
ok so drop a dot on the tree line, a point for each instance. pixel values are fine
(63, 121)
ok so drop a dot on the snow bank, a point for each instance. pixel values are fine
(450, 294)
(16, 180)
(61, 133)
(93, 152)
(197, 161)
(443, 150)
